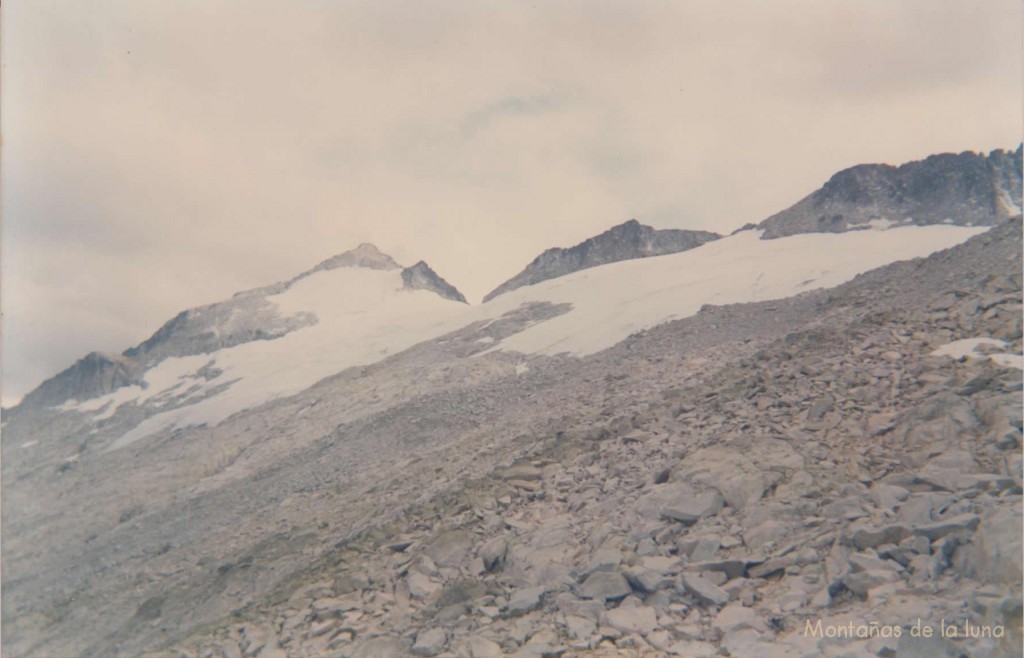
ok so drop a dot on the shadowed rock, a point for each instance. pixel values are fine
(623, 242)
(965, 189)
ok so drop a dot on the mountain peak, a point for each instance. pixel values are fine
(421, 277)
(94, 374)
(624, 241)
(967, 189)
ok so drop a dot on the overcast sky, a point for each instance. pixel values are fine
(163, 155)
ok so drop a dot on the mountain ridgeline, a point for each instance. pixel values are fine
(965, 189)
(623, 242)
(248, 316)
(697, 446)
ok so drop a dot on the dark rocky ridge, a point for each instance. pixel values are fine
(966, 189)
(93, 375)
(623, 242)
(421, 277)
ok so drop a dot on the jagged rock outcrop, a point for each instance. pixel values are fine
(421, 277)
(95, 374)
(206, 329)
(623, 242)
(966, 189)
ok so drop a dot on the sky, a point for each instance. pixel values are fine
(158, 156)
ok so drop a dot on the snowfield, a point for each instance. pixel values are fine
(364, 315)
(972, 348)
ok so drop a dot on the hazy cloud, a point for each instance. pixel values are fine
(158, 156)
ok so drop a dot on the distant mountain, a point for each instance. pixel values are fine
(965, 189)
(252, 315)
(93, 375)
(350, 463)
(623, 242)
(421, 277)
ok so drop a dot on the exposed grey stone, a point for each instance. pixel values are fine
(421, 277)
(994, 553)
(862, 582)
(580, 628)
(450, 548)
(870, 537)
(639, 619)
(964, 188)
(605, 585)
(430, 642)
(526, 600)
(735, 616)
(623, 242)
(421, 586)
(378, 647)
(887, 496)
(933, 531)
(705, 590)
(731, 568)
(480, 647)
(693, 649)
(692, 510)
(493, 554)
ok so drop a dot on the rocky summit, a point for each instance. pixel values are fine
(623, 242)
(963, 189)
(421, 277)
(781, 461)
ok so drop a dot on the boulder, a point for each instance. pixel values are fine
(639, 619)
(690, 510)
(704, 589)
(604, 585)
(429, 643)
(960, 522)
(526, 600)
(450, 548)
(995, 554)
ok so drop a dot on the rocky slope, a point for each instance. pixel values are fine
(965, 189)
(706, 486)
(737, 487)
(623, 242)
(562, 471)
(791, 478)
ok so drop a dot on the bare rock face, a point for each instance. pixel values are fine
(623, 242)
(93, 375)
(421, 277)
(965, 189)
(206, 329)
